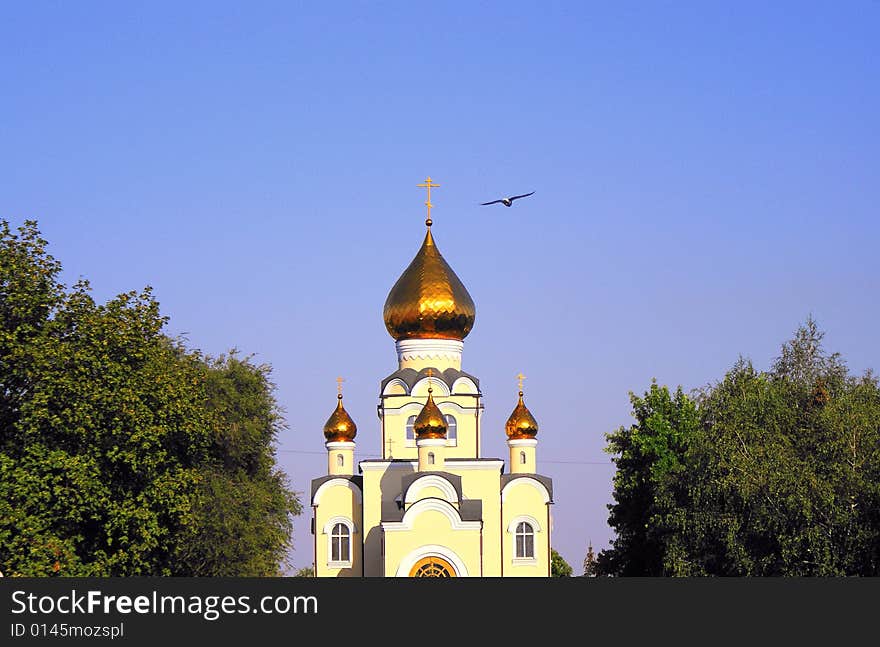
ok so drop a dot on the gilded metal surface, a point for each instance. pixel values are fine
(430, 423)
(432, 567)
(340, 427)
(429, 301)
(521, 423)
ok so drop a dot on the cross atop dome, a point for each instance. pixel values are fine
(428, 185)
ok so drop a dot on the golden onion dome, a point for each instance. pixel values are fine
(429, 301)
(340, 427)
(430, 422)
(521, 423)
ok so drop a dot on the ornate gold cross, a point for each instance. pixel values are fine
(428, 185)
(520, 377)
(430, 372)
(339, 381)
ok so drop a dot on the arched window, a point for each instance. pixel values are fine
(451, 428)
(525, 540)
(340, 460)
(340, 543)
(430, 458)
(410, 434)
(522, 458)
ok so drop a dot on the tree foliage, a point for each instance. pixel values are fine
(558, 566)
(122, 452)
(781, 475)
(591, 568)
(649, 457)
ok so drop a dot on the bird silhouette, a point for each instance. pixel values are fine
(507, 201)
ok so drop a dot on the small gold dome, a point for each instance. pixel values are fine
(429, 301)
(340, 427)
(521, 423)
(430, 422)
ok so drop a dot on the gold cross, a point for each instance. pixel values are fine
(520, 377)
(339, 381)
(428, 185)
(430, 371)
(389, 442)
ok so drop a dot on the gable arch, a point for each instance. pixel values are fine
(430, 481)
(396, 386)
(526, 481)
(326, 485)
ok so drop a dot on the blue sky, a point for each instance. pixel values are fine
(706, 176)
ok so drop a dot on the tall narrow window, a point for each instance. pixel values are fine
(451, 428)
(522, 458)
(340, 543)
(430, 458)
(410, 434)
(340, 461)
(525, 540)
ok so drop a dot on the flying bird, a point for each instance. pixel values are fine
(508, 201)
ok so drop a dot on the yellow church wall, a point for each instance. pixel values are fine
(482, 480)
(434, 493)
(398, 408)
(432, 533)
(337, 502)
(525, 499)
(382, 483)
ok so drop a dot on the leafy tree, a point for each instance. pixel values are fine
(558, 566)
(780, 477)
(306, 571)
(122, 452)
(649, 456)
(590, 566)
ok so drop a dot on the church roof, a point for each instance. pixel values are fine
(410, 376)
(546, 481)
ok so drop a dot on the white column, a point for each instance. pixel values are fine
(431, 454)
(340, 458)
(522, 456)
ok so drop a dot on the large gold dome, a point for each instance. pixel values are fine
(429, 301)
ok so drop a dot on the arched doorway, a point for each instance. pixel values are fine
(432, 567)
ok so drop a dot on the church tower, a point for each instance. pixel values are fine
(431, 505)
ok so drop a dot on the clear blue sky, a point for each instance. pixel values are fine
(706, 176)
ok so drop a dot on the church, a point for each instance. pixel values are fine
(432, 505)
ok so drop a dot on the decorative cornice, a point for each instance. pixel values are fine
(337, 445)
(428, 349)
(522, 442)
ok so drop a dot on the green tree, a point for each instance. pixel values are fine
(122, 452)
(785, 473)
(558, 566)
(649, 456)
(590, 565)
(780, 477)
